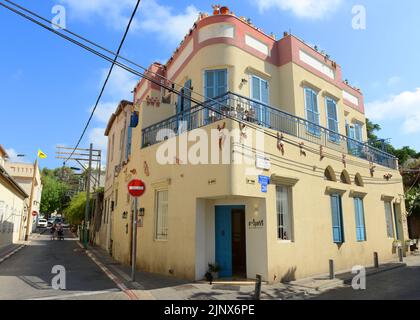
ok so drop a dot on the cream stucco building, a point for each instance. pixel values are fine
(284, 180)
(24, 174)
(13, 209)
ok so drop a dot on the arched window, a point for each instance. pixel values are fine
(344, 177)
(358, 180)
(329, 174)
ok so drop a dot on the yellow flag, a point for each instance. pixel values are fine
(41, 154)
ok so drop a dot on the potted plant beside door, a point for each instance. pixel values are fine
(214, 270)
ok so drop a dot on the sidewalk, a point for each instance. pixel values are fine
(149, 286)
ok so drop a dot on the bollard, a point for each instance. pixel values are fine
(331, 262)
(375, 260)
(257, 293)
(400, 254)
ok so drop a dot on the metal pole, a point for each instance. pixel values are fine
(331, 264)
(134, 241)
(87, 208)
(375, 260)
(257, 291)
(400, 254)
(31, 200)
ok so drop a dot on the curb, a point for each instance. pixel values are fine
(377, 271)
(14, 251)
(109, 274)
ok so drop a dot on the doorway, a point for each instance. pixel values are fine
(230, 241)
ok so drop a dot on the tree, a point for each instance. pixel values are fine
(403, 154)
(54, 195)
(75, 212)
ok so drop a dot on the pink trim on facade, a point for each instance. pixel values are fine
(281, 52)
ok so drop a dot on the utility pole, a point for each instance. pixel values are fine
(81, 156)
(87, 208)
(31, 200)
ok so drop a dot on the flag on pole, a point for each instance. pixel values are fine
(41, 154)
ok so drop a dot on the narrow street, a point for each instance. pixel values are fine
(28, 273)
(398, 284)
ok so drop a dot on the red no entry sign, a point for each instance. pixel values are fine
(136, 188)
(34, 213)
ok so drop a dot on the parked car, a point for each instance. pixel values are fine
(42, 223)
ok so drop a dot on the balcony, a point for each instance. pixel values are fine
(240, 107)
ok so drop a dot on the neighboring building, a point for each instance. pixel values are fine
(118, 132)
(329, 194)
(13, 210)
(23, 174)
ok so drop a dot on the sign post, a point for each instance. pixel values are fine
(136, 188)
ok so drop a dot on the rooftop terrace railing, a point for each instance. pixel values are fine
(240, 107)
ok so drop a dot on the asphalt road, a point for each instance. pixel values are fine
(398, 284)
(28, 273)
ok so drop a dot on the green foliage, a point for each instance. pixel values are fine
(54, 195)
(413, 201)
(403, 154)
(75, 212)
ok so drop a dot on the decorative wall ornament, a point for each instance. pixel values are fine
(372, 169)
(321, 153)
(280, 143)
(222, 136)
(153, 101)
(387, 176)
(134, 171)
(344, 160)
(146, 169)
(242, 128)
(302, 150)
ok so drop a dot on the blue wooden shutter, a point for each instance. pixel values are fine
(332, 119)
(187, 94)
(221, 82)
(312, 113)
(128, 144)
(337, 224)
(360, 219)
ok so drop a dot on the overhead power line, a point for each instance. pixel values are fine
(106, 80)
(170, 88)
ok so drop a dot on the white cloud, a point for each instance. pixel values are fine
(310, 9)
(120, 84)
(404, 106)
(99, 140)
(13, 156)
(119, 87)
(393, 81)
(168, 26)
(104, 111)
(151, 16)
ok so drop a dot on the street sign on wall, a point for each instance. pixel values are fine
(136, 188)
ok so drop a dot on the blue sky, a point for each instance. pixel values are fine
(48, 85)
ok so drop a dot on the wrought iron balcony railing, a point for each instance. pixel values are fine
(240, 107)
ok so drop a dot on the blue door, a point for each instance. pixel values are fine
(223, 237)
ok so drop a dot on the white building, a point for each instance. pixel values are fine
(13, 208)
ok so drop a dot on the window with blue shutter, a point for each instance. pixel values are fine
(332, 120)
(215, 84)
(388, 218)
(360, 219)
(260, 93)
(337, 219)
(312, 111)
(128, 144)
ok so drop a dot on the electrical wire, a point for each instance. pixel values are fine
(169, 88)
(106, 79)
